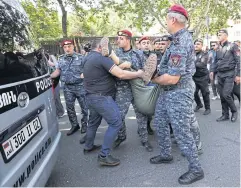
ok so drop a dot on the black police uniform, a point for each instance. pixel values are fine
(227, 67)
(201, 78)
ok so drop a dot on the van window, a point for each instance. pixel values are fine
(18, 58)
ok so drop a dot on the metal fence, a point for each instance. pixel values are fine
(54, 47)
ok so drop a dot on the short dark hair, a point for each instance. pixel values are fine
(95, 44)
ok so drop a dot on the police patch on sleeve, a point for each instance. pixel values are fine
(175, 60)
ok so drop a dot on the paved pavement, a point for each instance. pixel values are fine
(220, 161)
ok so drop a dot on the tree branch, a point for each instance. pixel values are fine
(152, 12)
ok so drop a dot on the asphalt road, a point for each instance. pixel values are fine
(220, 160)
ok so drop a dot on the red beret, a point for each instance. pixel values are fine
(65, 42)
(178, 9)
(124, 33)
(144, 38)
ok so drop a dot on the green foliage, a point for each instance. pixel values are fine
(98, 24)
(148, 12)
(44, 20)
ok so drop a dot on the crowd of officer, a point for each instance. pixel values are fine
(103, 90)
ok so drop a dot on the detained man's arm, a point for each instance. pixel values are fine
(117, 61)
(56, 73)
(123, 74)
(166, 79)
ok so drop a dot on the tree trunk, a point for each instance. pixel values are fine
(64, 19)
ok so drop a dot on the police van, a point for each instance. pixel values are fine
(29, 134)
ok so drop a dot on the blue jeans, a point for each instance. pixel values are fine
(102, 107)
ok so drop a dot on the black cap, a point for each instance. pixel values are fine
(198, 40)
(165, 38)
(223, 31)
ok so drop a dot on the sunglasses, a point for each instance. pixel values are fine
(213, 45)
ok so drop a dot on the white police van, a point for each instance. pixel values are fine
(29, 135)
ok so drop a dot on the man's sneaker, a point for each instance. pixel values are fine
(149, 68)
(215, 97)
(108, 160)
(106, 48)
(190, 177)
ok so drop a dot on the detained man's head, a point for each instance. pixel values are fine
(145, 44)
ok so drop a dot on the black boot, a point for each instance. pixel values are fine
(108, 160)
(198, 107)
(206, 112)
(118, 141)
(73, 130)
(83, 129)
(234, 116)
(148, 146)
(159, 159)
(190, 177)
(223, 118)
(149, 129)
(95, 147)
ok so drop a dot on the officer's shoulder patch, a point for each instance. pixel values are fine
(175, 60)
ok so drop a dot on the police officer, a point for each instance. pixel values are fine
(201, 77)
(157, 49)
(137, 44)
(175, 101)
(70, 68)
(124, 96)
(212, 56)
(228, 71)
(236, 87)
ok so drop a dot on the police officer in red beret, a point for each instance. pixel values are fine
(124, 96)
(174, 104)
(69, 69)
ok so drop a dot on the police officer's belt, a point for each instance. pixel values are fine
(169, 88)
(70, 84)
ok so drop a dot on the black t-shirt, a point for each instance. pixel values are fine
(97, 76)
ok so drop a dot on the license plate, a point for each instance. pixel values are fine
(17, 142)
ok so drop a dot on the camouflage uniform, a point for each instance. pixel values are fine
(124, 95)
(71, 68)
(175, 101)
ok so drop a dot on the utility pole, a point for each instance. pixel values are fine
(207, 24)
